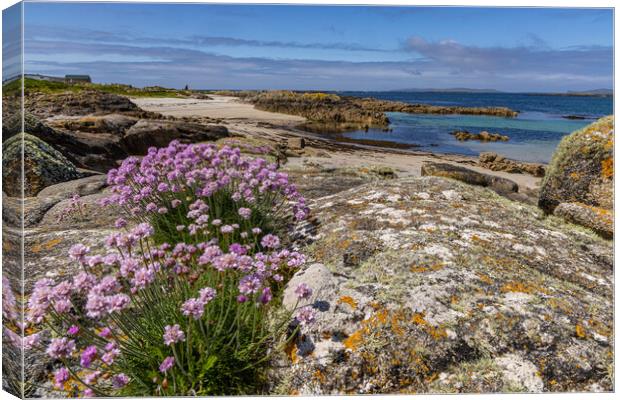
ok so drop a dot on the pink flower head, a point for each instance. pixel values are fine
(173, 334)
(105, 332)
(270, 241)
(166, 364)
(32, 340)
(206, 294)
(245, 213)
(60, 348)
(303, 291)
(78, 252)
(119, 380)
(305, 315)
(193, 308)
(60, 377)
(88, 356)
(266, 296)
(73, 330)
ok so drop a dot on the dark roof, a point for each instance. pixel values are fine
(78, 76)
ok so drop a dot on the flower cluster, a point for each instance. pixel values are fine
(163, 180)
(169, 305)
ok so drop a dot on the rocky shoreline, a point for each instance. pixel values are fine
(342, 113)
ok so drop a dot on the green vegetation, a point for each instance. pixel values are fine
(39, 86)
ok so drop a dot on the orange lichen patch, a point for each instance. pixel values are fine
(575, 176)
(381, 316)
(291, 351)
(580, 331)
(418, 318)
(515, 286)
(354, 341)
(348, 300)
(319, 376)
(454, 299)
(46, 245)
(437, 333)
(426, 268)
(396, 320)
(485, 278)
(607, 168)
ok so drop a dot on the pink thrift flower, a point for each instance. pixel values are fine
(166, 364)
(105, 332)
(303, 291)
(88, 356)
(305, 315)
(119, 380)
(193, 308)
(60, 377)
(270, 241)
(73, 330)
(245, 213)
(60, 348)
(173, 334)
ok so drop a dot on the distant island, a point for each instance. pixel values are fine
(450, 90)
(593, 92)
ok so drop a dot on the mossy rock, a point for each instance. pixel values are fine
(582, 168)
(43, 165)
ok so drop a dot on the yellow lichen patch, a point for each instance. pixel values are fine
(50, 244)
(6, 246)
(348, 300)
(607, 168)
(516, 286)
(580, 331)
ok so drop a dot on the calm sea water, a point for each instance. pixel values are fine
(534, 134)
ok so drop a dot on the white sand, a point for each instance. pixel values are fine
(225, 107)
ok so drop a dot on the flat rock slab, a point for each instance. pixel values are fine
(437, 286)
(469, 176)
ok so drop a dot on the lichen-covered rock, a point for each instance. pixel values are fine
(582, 168)
(598, 219)
(459, 290)
(43, 165)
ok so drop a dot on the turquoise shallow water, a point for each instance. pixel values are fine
(534, 134)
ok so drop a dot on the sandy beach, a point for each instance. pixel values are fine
(224, 107)
(243, 119)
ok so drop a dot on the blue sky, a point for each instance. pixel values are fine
(320, 47)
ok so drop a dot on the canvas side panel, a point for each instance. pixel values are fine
(12, 209)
